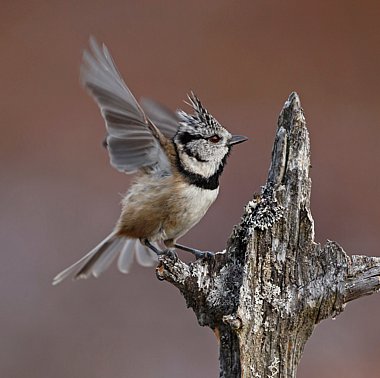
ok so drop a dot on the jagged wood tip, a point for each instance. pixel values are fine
(265, 294)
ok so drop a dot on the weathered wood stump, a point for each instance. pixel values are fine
(264, 295)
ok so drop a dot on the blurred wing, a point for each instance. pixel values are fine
(132, 140)
(166, 120)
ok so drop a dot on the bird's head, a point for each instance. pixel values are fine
(202, 143)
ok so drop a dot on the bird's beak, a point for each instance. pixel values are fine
(237, 139)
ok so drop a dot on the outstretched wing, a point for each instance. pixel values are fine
(132, 139)
(166, 120)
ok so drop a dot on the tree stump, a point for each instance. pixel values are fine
(264, 295)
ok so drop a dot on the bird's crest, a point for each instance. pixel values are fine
(201, 117)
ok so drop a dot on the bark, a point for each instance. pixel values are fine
(264, 295)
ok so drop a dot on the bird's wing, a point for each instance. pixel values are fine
(133, 141)
(166, 120)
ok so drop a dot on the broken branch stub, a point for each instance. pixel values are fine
(265, 294)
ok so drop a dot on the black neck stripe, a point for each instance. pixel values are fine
(209, 183)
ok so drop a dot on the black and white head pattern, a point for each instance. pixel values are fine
(202, 146)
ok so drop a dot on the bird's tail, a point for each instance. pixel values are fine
(101, 257)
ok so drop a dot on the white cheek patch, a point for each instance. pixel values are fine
(205, 169)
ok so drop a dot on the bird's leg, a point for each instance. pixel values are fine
(168, 252)
(196, 252)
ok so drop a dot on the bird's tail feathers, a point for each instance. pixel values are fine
(144, 256)
(101, 257)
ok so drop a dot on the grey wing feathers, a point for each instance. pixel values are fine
(130, 141)
(166, 120)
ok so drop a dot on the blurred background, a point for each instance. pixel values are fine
(59, 196)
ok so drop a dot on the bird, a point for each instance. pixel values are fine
(177, 157)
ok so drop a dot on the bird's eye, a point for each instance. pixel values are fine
(214, 139)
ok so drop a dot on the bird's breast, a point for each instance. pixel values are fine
(191, 205)
(163, 208)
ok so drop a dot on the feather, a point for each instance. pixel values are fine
(143, 257)
(126, 256)
(133, 141)
(107, 257)
(84, 260)
(166, 120)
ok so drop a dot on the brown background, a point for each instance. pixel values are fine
(59, 196)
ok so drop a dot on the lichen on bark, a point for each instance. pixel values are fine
(264, 295)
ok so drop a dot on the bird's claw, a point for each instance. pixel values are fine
(203, 254)
(170, 253)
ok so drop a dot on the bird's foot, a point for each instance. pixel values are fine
(170, 253)
(203, 254)
(165, 252)
(196, 252)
